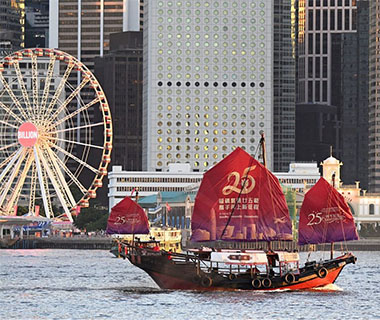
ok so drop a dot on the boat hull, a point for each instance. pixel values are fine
(182, 272)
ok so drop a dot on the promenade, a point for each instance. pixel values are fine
(104, 243)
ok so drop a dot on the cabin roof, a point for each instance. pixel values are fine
(166, 196)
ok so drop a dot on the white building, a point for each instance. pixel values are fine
(180, 178)
(208, 75)
(123, 183)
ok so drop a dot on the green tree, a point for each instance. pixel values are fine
(92, 219)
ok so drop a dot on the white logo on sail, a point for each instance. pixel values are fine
(246, 180)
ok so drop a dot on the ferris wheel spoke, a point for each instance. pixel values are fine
(79, 127)
(9, 146)
(49, 76)
(10, 112)
(80, 143)
(8, 159)
(70, 174)
(21, 83)
(12, 95)
(58, 92)
(19, 184)
(70, 98)
(85, 164)
(73, 114)
(57, 184)
(12, 160)
(9, 124)
(44, 185)
(33, 183)
(57, 171)
(12, 176)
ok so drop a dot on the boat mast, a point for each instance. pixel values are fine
(263, 150)
(136, 200)
(333, 184)
(264, 157)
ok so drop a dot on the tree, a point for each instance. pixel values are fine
(92, 219)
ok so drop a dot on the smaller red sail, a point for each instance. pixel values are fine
(325, 216)
(127, 217)
(240, 200)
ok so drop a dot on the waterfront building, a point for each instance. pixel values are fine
(12, 22)
(180, 178)
(374, 96)
(209, 81)
(120, 72)
(332, 83)
(155, 189)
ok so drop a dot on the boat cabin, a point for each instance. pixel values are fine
(253, 261)
(287, 262)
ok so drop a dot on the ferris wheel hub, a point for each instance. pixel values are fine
(27, 134)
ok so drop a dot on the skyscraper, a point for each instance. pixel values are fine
(36, 23)
(332, 83)
(208, 81)
(120, 73)
(354, 99)
(374, 96)
(284, 95)
(82, 27)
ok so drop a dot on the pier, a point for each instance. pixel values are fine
(88, 243)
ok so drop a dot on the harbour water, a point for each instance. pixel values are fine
(92, 284)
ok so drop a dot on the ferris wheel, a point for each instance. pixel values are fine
(55, 133)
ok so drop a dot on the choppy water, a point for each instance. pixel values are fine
(81, 284)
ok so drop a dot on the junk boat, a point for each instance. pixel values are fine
(239, 199)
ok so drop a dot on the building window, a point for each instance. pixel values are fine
(371, 209)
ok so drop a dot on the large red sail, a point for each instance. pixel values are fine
(325, 216)
(127, 217)
(239, 199)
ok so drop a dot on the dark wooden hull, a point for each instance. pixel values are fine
(182, 272)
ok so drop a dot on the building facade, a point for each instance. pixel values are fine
(120, 72)
(12, 23)
(208, 80)
(36, 23)
(180, 178)
(354, 100)
(374, 96)
(284, 87)
(332, 70)
(82, 27)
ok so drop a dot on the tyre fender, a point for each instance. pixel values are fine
(256, 283)
(206, 282)
(322, 272)
(232, 276)
(266, 282)
(290, 278)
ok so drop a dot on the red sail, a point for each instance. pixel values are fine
(325, 216)
(127, 217)
(239, 199)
